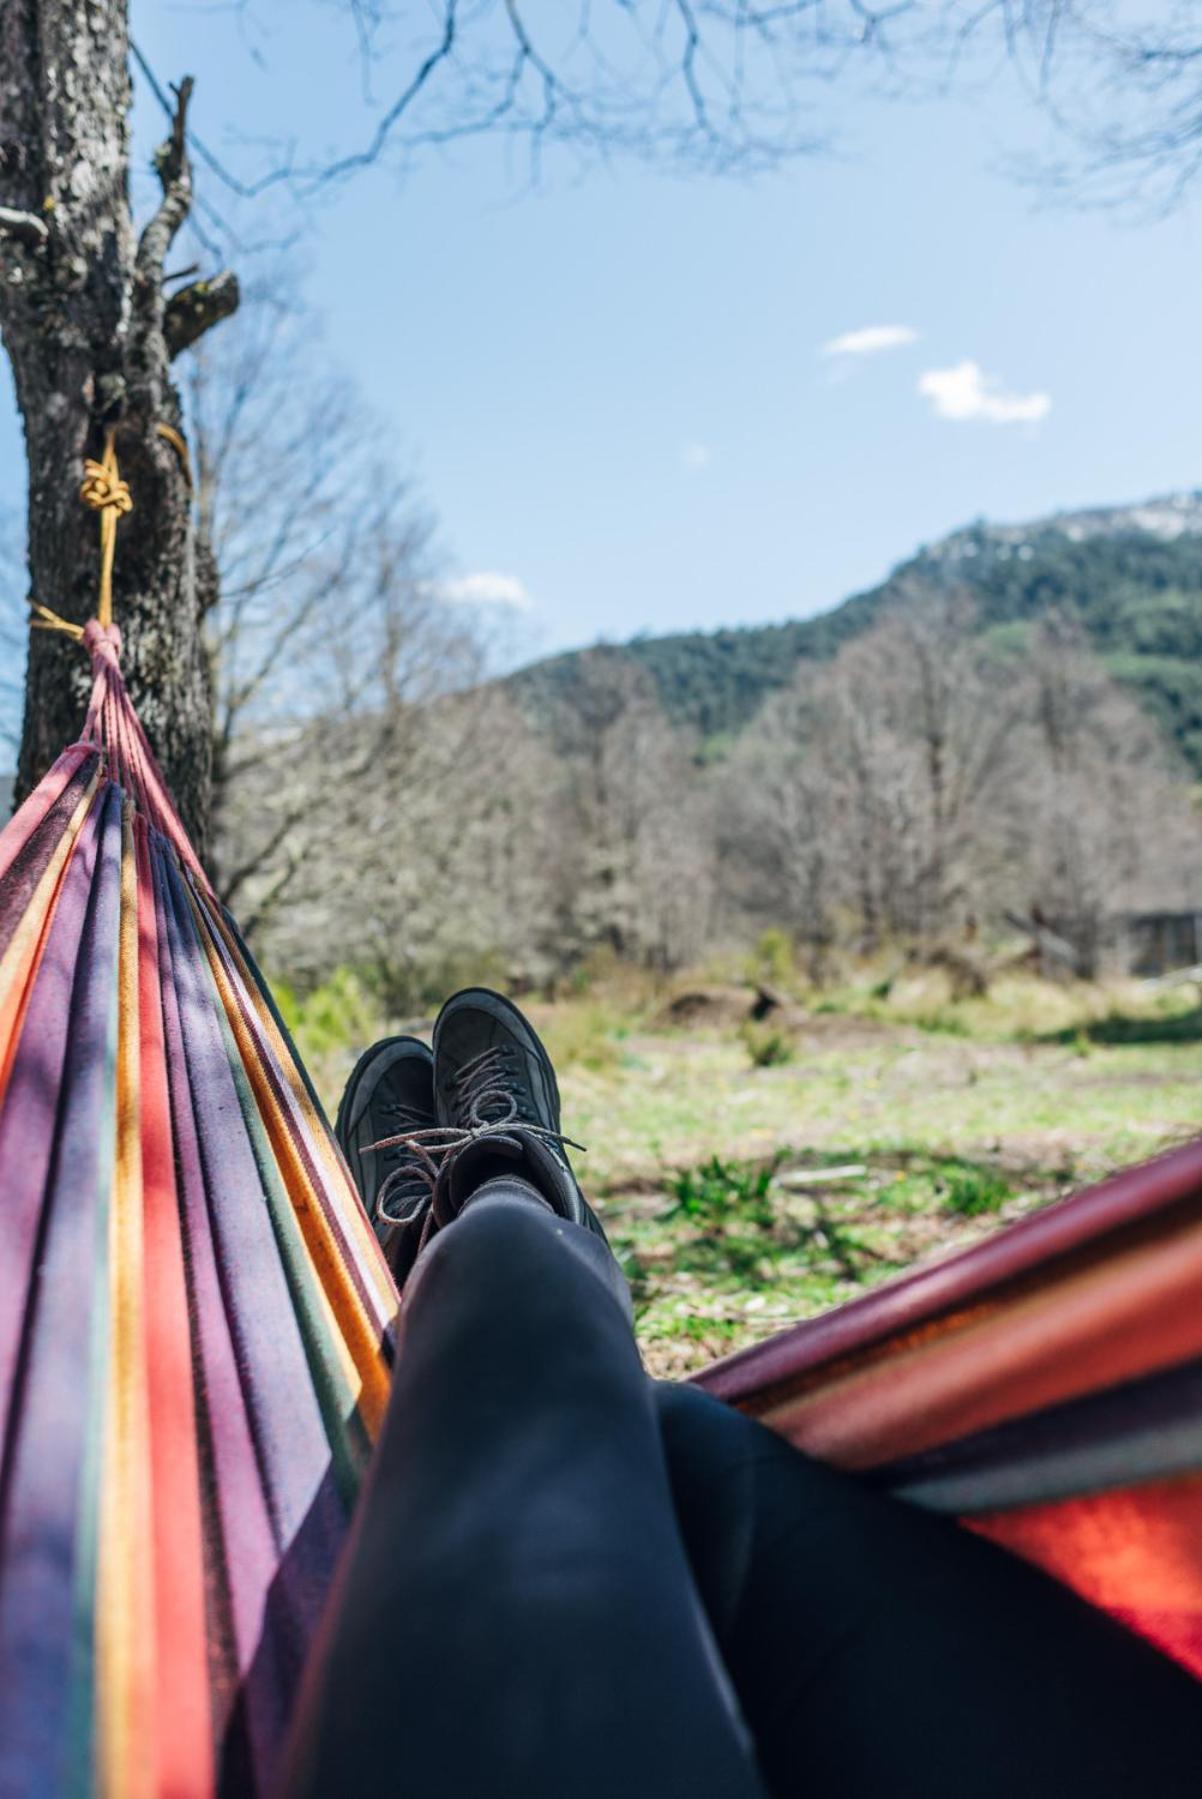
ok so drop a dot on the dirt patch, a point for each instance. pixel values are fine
(708, 1008)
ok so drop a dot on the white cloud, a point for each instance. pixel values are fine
(696, 455)
(488, 589)
(967, 392)
(870, 340)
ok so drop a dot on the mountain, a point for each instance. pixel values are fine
(1131, 574)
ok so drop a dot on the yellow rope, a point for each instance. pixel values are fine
(106, 493)
(50, 621)
(175, 438)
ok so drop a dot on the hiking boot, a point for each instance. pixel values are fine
(494, 1080)
(390, 1094)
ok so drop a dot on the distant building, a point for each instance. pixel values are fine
(1156, 942)
(1139, 943)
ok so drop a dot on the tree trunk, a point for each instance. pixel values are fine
(83, 319)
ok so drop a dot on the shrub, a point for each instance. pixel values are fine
(773, 959)
(767, 1044)
(719, 1191)
(341, 1014)
(973, 1192)
(406, 988)
(585, 1034)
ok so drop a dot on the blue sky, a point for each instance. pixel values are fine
(614, 391)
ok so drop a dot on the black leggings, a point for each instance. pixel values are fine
(567, 1583)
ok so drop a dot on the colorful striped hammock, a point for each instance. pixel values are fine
(195, 1319)
(196, 1323)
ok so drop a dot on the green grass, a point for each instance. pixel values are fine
(1166, 1026)
(956, 1116)
(718, 1192)
(767, 1044)
(588, 1034)
(975, 1192)
(726, 1252)
(691, 1150)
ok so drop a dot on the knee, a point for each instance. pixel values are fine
(495, 1244)
(726, 1466)
(682, 1407)
(696, 1427)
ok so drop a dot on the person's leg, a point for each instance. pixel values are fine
(516, 1615)
(877, 1649)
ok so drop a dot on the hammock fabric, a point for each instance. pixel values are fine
(195, 1319)
(1044, 1386)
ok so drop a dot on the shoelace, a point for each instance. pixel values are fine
(422, 1180)
(413, 1122)
(486, 1089)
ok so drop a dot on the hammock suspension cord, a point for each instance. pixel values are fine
(111, 726)
(105, 492)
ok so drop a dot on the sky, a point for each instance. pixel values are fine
(640, 402)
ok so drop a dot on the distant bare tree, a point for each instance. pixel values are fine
(949, 715)
(309, 791)
(868, 787)
(1106, 819)
(313, 539)
(636, 876)
(332, 634)
(479, 900)
(780, 837)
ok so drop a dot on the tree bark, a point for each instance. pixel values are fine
(82, 316)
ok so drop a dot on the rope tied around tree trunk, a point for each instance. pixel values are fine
(111, 727)
(105, 492)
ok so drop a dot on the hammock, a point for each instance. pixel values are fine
(196, 1322)
(195, 1318)
(1044, 1386)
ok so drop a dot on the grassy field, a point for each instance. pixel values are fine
(751, 1176)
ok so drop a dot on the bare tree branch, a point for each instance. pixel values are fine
(175, 177)
(196, 308)
(729, 86)
(24, 227)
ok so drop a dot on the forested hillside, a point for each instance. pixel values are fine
(1011, 723)
(1131, 577)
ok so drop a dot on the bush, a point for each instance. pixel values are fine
(773, 959)
(585, 1034)
(341, 1014)
(973, 1192)
(943, 1021)
(408, 988)
(719, 1191)
(767, 1044)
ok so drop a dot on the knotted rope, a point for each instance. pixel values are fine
(106, 493)
(111, 725)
